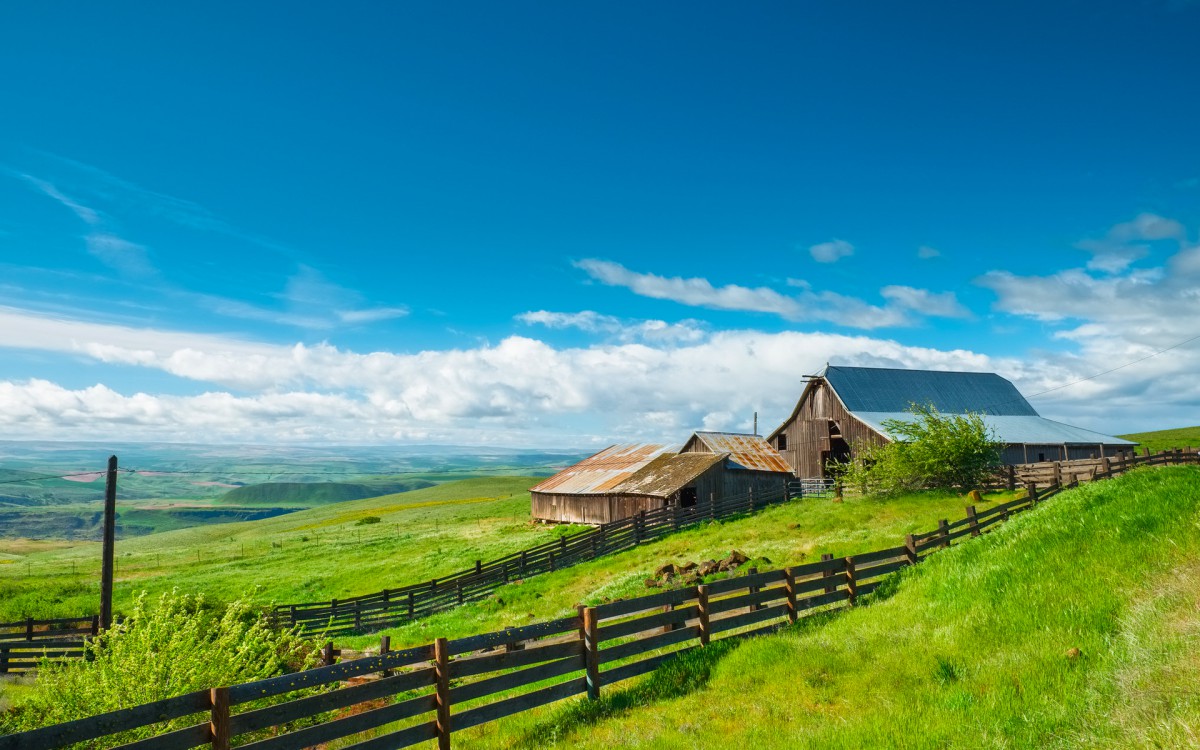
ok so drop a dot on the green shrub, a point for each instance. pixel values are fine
(176, 645)
(930, 451)
(368, 520)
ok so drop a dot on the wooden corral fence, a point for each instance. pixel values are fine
(1050, 473)
(392, 607)
(23, 644)
(431, 691)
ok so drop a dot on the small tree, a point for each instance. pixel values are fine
(932, 450)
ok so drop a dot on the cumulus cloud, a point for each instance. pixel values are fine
(519, 390)
(832, 251)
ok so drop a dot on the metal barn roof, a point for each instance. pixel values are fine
(665, 475)
(745, 451)
(601, 473)
(1033, 430)
(875, 389)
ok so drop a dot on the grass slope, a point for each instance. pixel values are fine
(278, 494)
(1160, 440)
(312, 554)
(971, 649)
(785, 534)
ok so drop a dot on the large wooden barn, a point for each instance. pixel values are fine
(846, 406)
(622, 480)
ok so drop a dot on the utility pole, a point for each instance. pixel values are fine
(110, 538)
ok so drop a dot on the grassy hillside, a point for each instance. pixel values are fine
(783, 534)
(279, 494)
(1163, 439)
(311, 554)
(1076, 625)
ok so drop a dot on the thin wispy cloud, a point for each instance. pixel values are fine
(925, 252)
(88, 215)
(590, 321)
(904, 306)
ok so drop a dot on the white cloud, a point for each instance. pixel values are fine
(925, 252)
(941, 305)
(1125, 243)
(832, 251)
(89, 216)
(695, 291)
(129, 258)
(622, 330)
(805, 304)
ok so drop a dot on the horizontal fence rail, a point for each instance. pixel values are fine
(401, 698)
(392, 607)
(24, 644)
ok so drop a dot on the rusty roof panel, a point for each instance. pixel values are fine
(667, 474)
(747, 451)
(603, 472)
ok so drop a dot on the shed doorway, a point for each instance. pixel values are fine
(687, 497)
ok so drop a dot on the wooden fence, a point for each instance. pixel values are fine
(392, 607)
(431, 691)
(1057, 473)
(23, 644)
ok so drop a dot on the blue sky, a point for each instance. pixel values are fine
(541, 224)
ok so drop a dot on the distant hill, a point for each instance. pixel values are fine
(318, 493)
(1159, 440)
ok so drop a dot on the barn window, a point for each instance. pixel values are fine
(782, 442)
(1041, 457)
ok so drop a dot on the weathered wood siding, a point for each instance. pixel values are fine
(598, 509)
(807, 432)
(590, 509)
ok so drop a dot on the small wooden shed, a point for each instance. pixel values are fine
(622, 480)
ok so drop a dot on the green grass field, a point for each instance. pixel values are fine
(311, 554)
(1160, 440)
(974, 648)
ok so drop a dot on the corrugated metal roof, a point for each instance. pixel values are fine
(1032, 430)
(665, 475)
(747, 451)
(876, 389)
(602, 472)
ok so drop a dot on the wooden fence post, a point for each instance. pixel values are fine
(3, 658)
(478, 567)
(29, 628)
(96, 625)
(1107, 467)
(752, 589)
(910, 549)
(524, 557)
(944, 533)
(441, 658)
(789, 582)
(562, 543)
(327, 653)
(974, 524)
(412, 605)
(385, 646)
(851, 584)
(218, 722)
(702, 612)
(1031, 490)
(552, 561)
(829, 588)
(1058, 473)
(591, 652)
(358, 614)
(458, 589)
(1012, 477)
